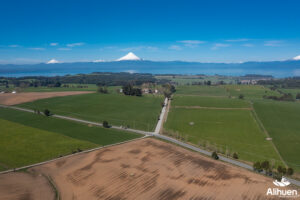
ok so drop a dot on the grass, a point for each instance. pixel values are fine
(28, 138)
(201, 90)
(22, 145)
(250, 91)
(136, 112)
(218, 102)
(96, 135)
(281, 119)
(235, 130)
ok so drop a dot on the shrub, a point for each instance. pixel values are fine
(214, 155)
(47, 112)
(235, 155)
(257, 166)
(241, 96)
(105, 124)
(290, 171)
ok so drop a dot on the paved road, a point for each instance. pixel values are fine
(156, 134)
(161, 117)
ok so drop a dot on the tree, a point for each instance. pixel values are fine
(290, 171)
(298, 96)
(283, 170)
(279, 169)
(47, 112)
(235, 155)
(208, 82)
(105, 124)
(257, 166)
(214, 155)
(265, 165)
(241, 96)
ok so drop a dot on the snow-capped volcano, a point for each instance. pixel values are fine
(52, 61)
(129, 56)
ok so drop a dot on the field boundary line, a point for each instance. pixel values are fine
(211, 108)
(261, 125)
(70, 155)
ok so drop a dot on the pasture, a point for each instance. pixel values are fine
(32, 133)
(204, 101)
(23, 145)
(250, 91)
(135, 112)
(281, 120)
(201, 90)
(228, 130)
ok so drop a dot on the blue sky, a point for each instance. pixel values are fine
(205, 31)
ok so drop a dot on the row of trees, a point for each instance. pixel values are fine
(284, 97)
(270, 170)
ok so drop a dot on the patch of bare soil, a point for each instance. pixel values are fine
(25, 186)
(13, 99)
(152, 169)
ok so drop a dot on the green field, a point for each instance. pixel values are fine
(203, 101)
(235, 130)
(22, 145)
(201, 90)
(282, 121)
(136, 112)
(250, 91)
(28, 138)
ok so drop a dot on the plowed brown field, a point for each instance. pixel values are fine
(13, 99)
(151, 169)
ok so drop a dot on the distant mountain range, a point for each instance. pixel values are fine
(276, 68)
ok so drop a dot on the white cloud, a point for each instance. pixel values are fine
(75, 44)
(14, 45)
(53, 44)
(175, 47)
(238, 40)
(138, 48)
(296, 58)
(37, 48)
(219, 45)
(274, 43)
(53, 61)
(191, 43)
(248, 45)
(64, 49)
(99, 60)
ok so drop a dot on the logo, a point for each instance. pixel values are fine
(280, 192)
(284, 182)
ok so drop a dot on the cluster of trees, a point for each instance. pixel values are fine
(269, 169)
(284, 97)
(102, 90)
(128, 89)
(293, 82)
(168, 90)
(102, 78)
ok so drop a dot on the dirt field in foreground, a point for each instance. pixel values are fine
(25, 186)
(143, 169)
(13, 99)
(151, 169)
